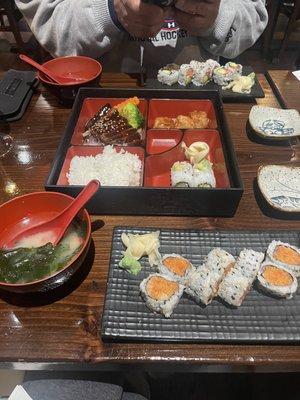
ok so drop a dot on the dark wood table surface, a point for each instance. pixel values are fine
(65, 333)
(287, 88)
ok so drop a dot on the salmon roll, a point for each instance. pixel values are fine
(238, 282)
(175, 267)
(161, 294)
(286, 256)
(203, 284)
(277, 280)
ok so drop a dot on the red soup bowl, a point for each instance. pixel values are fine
(32, 209)
(88, 69)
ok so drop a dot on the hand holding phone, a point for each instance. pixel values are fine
(140, 19)
(196, 16)
(160, 3)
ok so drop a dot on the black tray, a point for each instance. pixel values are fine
(221, 202)
(259, 319)
(227, 95)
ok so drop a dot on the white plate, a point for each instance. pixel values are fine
(280, 186)
(275, 123)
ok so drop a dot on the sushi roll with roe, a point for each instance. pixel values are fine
(176, 268)
(203, 175)
(182, 174)
(161, 294)
(285, 255)
(169, 74)
(277, 281)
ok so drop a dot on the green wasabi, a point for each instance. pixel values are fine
(130, 264)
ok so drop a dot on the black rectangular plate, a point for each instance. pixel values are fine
(216, 202)
(260, 318)
(227, 95)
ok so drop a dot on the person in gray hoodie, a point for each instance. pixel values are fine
(124, 34)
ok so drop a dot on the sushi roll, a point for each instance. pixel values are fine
(276, 280)
(175, 267)
(161, 294)
(203, 175)
(182, 174)
(185, 75)
(223, 76)
(237, 283)
(285, 255)
(168, 75)
(204, 73)
(203, 284)
(236, 68)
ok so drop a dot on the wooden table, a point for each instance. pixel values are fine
(65, 333)
(287, 88)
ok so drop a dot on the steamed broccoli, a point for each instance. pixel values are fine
(133, 115)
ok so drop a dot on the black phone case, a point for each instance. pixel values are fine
(161, 3)
(16, 89)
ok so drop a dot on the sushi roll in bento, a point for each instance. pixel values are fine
(185, 76)
(285, 255)
(276, 280)
(168, 75)
(203, 73)
(161, 294)
(176, 268)
(238, 282)
(182, 174)
(203, 175)
(203, 284)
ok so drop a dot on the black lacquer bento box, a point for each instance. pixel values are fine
(161, 148)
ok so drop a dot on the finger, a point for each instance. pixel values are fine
(185, 20)
(194, 7)
(149, 11)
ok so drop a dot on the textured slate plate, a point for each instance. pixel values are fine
(260, 318)
(227, 95)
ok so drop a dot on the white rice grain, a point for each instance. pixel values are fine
(110, 168)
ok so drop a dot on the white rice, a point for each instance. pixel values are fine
(110, 168)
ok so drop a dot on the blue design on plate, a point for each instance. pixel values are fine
(275, 127)
(286, 201)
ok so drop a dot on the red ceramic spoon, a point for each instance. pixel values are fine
(54, 229)
(60, 79)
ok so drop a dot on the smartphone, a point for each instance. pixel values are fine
(160, 3)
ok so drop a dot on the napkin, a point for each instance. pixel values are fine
(297, 74)
(19, 394)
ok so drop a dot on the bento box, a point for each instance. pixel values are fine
(170, 122)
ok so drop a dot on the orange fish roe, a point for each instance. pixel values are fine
(160, 288)
(287, 255)
(177, 265)
(276, 276)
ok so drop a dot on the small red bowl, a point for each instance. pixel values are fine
(30, 210)
(86, 68)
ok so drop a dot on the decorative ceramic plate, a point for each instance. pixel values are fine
(280, 185)
(275, 123)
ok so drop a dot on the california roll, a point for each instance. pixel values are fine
(182, 174)
(203, 175)
(185, 76)
(169, 74)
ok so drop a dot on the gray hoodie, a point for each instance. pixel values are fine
(90, 27)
